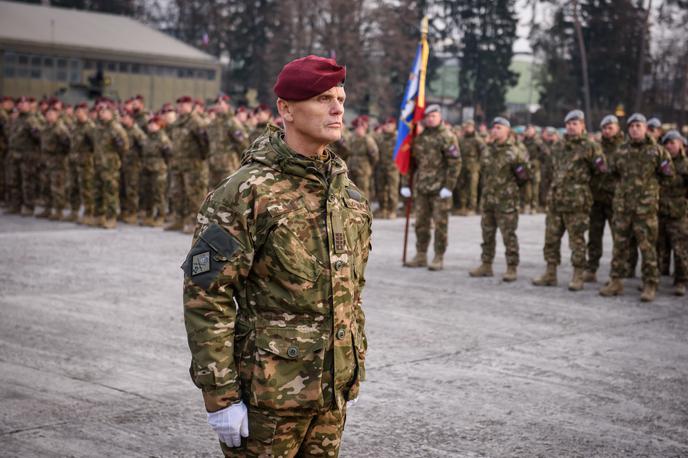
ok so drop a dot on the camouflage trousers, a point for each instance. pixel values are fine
(361, 176)
(3, 189)
(600, 214)
(276, 436)
(188, 188)
(431, 209)
(507, 223)
(575, 223)
(644, 228)
(530, 192)
(58, 183)
(467, 186)
(13, 180)
(42, 196)
(72, 182)
(387, 184)
(673, 237)
(107, 185)
(154, 187)
(86, 182)
(222, 165)
(132, 186)
(29, 178)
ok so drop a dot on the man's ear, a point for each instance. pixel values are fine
(285, 110)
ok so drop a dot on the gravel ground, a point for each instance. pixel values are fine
(93, 355)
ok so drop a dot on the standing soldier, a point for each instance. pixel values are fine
(83, 146)
(437, 167)
(575, 160)
(654, 129)
(111, 144)
(190, 151)
(139, 112)
(550, 137)
(472, 148)
(537, 154)
(157, 149)
(602, 187)
(55, 145)
(24, 154)
(263, 116)
(228, 140)
(131, 166)
(5, 118)
(388, 175)
(286, 239)
(504, 167)
(639, 165)
(363, 155)
(673, 217)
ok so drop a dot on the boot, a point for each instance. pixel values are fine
(484, 270)
(159, 221)
(175, 225)
(26, 211)
(91, 220)
(56, 215)
(549, 278)
(526, 210)
(130, 219)
(108, 223)
(613, 288)
(590, 277)
(437, 262)
(44, 214)
(73, 217)
(510, 274)
(649, 292)
(576, 283)
(680, 289)
(147, 221)
(420, 260)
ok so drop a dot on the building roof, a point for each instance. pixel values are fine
(63, 27)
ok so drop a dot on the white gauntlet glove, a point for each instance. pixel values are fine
(230, 424)
(405, 192)
(445, 193)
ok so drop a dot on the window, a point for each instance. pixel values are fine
(211, 75)
(111, 66)
(36, 61)
(23, 59)
(136, 68)
(48, 62)
(9, 71)
(61, 75)
(36, 73)
(10, 58)
(89, 64)
(61, 63)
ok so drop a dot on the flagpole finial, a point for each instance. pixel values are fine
(424, 25)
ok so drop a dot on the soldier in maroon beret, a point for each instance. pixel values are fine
(286, 236)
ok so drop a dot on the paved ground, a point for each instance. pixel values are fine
(93, 356)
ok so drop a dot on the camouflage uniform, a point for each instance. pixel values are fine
(190, 169)
(500, 198)
(546, 173)
(387, 180)
(4, 140)
(131, 166)
(363, 155)
(341, 146)
(639, 166)
(473, 149)
(141, 119)
(437, 160)
(228, 140)
(574, 162)
(602, 187)
(673, 218)
(154, 175)
(112, 143)
(24, 154)
(257, 131)
(293, 348)
(55, 145)
(537, 154)
(83, 177)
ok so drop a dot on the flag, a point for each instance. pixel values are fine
(413, 105)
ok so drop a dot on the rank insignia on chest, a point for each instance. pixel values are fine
(200, 263)
(339, 242)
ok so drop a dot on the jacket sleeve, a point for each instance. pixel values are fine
(452, 156)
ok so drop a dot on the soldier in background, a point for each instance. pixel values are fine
(504, 168)
(82, 179)
(654, 128)
(574, 162)
(24, 154)
(55, 145)
(472, 148)
(157, 149)
(550, 137)
(537, 154)
(387, 173)
(131, 168)
(112, 144)
(437, 161)
(363, 155)
(228, 139)
(640, 164)
(5, 119)
(139, 112)
(262, 115)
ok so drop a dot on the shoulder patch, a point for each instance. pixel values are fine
(355, 195)
(200, 263)
(453, 151)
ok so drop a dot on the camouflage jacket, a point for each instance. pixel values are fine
(55, 143)
(603, 184)
(437, 160)
(537, 152)
(673, 190)
(141, 119)
(500, 187)
(341, 146)
(287, 238)
(639, 168)
(4, 131)
(25, 133)
(84, 137)
(257, 131)
(574, 161)
(190, 139)
(137, 142)
(227, 136)
(363, 153)
(385, 146)
(472, 148)
(157, 150)
(111, 139)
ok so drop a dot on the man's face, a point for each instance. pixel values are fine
(170, 117)
(105, 114)
(674, 146)
(530, 132)
(468, 129)
(361, 130)
(153, 127)
(7, 105)
(51, 116)
(637, 130)
(500, 133)
(184, 108)
(319, 118)
(263, 116)
(127, 120)
(433, 119)
(610, 130)
(656, 132)
(242, 116)
(222, 106)
(81, 115)
(24, 106)
(575, 127)
(389, 128)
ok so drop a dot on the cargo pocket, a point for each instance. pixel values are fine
(287, 371)
(213, 248)
(359, 376)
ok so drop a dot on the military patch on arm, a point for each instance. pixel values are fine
(453, 151)
(212, 250)
(200, 263)
(355, 195)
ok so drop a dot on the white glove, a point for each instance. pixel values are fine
(230, 424)
(405, 192)
(445, 193)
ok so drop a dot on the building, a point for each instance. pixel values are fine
(47, 51)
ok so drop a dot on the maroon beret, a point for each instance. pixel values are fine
(166, 108)
(138, 97)
(223, 98)
(241, 109)
(307, 77)
(184, 99)
(156, 119)
(199, 102)
(82, 106)
(7, 98)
